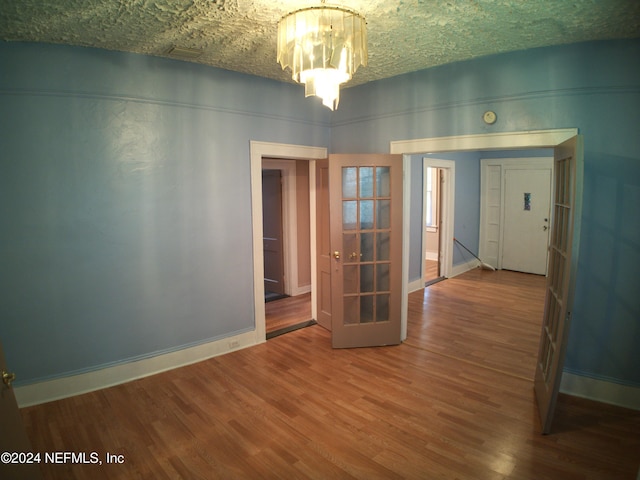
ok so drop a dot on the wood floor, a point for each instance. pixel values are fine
(430, 270)
(455, 401)
(286, 312)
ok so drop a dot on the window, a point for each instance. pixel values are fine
(431, 197)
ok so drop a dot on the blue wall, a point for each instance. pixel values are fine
(594, 87)
(125, 194)
(125, 202)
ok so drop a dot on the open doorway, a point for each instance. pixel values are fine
(479, 142)
(272, 240)
(515, 216)
(258, 152)
(286, 245)
(438, 215)
(568, 154)
(433, 178)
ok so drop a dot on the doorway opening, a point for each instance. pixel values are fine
(284, 157)
(568, 154)
(432, 218)
(515, 216)
(286, 245)
(273, 233)
(260, 150)
(438, 191)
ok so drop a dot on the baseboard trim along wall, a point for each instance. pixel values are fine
(415, 285)
(461, 268)
(56, 389)
(301, 290)
(70, 386)
(600, 390)
(458, 269)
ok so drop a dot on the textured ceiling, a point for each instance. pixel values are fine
(240, 35)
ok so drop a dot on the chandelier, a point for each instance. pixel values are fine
(323, 47)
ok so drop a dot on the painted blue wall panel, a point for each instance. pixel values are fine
(125, 202)
(606, 323)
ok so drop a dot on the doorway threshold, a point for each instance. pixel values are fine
(273, 296)
(434, 280)
(290, 328)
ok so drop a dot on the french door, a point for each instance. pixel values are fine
(366, 249)
(563, 260)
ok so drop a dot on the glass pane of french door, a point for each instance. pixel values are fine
(366, 227)
(563, 258)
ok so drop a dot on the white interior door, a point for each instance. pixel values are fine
(526, 220)
(563, 262)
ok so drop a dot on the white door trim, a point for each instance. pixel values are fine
(491, 141)
(258, 151)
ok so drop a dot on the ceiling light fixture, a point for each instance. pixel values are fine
(323, 46)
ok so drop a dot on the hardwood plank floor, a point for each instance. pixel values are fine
(287, 312)
(430, 270)
(489, 318)
(453, 402)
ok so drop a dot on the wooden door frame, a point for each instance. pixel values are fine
(493, 141)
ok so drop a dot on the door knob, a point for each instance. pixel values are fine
(7, 378)
(336, 255)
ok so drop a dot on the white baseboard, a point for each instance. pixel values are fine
(64, 387)
(455, 271)
(600, 390)
(461, 268)
(415, 285)
(300, 290)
